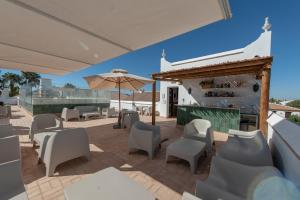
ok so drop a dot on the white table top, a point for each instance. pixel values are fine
(107, 184)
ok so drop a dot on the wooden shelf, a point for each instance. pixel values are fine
(221, 97)
(232, 88)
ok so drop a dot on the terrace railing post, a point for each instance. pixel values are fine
(264, 99)
(153, 102)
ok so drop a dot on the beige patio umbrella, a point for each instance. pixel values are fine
(118, 78)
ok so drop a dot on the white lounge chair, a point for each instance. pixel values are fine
(249, 148)
(44, 122)
(200, 129)
(61, 146)
(144, 137)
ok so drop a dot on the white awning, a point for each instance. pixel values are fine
(62, 36)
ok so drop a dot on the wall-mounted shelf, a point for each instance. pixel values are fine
(232, 88)
(223, 97)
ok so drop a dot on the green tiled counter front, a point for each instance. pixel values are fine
(222, 119)
(57, 108)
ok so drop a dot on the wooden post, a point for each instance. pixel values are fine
(153, 102)
(264, 99)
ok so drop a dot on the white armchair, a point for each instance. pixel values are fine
(200, 129)
(70, 114)
(62, 146)
(248, 148)
(44, 122)
(144, 137)
(129, 118)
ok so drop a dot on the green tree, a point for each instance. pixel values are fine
(30, 78)
(295, 103)
(273, 100)
(295, 119)
(69, 85)
(13, 81)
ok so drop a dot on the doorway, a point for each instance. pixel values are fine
(173, 101)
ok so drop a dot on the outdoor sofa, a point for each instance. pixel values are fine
(68, 114)
(44, 122)
(229, 180)
(144, 137)
(60, 146)
(201, 130)
(6, 130)
(248, 148)
(88, 111)
(11, 183)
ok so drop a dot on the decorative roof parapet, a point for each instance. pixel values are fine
(267, 26)
(163, 54)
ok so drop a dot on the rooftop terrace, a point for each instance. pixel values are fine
(109, 148)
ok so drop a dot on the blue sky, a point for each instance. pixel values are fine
(243, 28)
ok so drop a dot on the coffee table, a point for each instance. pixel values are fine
(186, 149)
(108, 184)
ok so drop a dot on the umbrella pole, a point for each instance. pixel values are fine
(119, 120)
(119, 97)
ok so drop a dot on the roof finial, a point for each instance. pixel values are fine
(267, 25)
(163, 54)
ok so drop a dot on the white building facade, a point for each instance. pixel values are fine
(189, 92)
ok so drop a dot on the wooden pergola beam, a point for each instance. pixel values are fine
(227, 72)
(218, 67)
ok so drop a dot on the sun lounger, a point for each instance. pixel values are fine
(88, 111)
(69, 114)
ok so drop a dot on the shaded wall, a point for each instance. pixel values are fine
(284, 140)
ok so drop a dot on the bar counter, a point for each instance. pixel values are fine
(222, 119)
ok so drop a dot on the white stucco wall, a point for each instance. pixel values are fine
(260, 47)
(283, 138)
(128, 104)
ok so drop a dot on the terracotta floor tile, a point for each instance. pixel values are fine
(109, 148)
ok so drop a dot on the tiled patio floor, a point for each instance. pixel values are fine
(109, 148)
